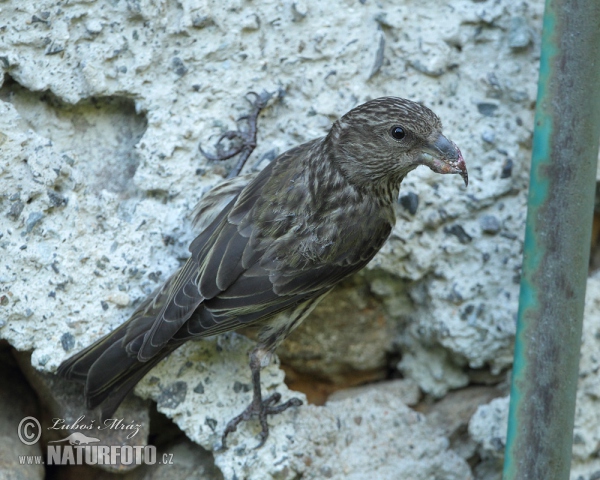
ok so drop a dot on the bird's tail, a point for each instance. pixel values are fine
(108, 370)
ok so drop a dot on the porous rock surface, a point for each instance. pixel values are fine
(102, 108)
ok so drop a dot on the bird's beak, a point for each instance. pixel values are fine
(445, 157)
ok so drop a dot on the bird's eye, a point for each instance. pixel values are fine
(398, 133)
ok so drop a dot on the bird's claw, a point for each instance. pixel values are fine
(221, 153)
(259, 410)
(246, 137)
(260, 100)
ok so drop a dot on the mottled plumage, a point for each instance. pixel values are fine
(274, 244)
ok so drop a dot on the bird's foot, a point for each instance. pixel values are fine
(260, 410)
(243, 141)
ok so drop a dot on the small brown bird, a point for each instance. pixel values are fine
(274, 244)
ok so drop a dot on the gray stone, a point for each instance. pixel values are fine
(56, 199)
(507, 168)
(15, 210)
(418, 65)
(378, 54)
(178, 66)
(519, 33)
(172, 395)
(488, 136)
(487, 109)
(202, 21)
(459, 232)
(410, 201)
(432, 370)
(404, 389)
(67, 341)
(489, 224)
(488, 428)
(453, 412)
(299, 10)
(353, 437)
(251, 22)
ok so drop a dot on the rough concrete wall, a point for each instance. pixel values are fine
(102, 108)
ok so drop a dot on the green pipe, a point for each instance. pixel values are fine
(557, 244)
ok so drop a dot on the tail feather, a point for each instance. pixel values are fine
(109, 368)
(110, 394)
(76, 368)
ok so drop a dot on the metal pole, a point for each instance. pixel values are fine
(557, 244)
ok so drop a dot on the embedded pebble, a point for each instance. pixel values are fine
(410, 201)
(430, 69)
(202, 21)
(299, 10)
(173, 395)
(33, 220)
(487, 109)
(251, 22)
(519, 34)
(93, 26)
(178, 66)
(507, 168)
(378, 54)
(489, 224)
(121, 299)
(459, 232)
(488, 136)
(15, 210)
(67, 341)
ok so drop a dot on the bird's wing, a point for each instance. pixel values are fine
(217, 199)
(245, 267)
(157, 319)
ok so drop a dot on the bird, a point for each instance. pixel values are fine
(272, 245)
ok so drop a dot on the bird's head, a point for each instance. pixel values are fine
(384, 139)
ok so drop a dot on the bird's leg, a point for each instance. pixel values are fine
(258, 407)
(246, 138)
